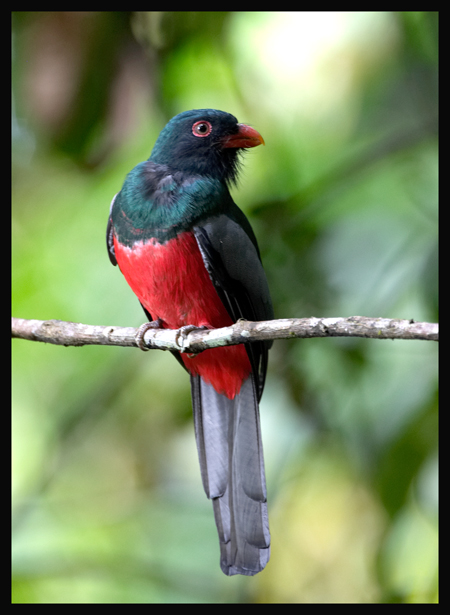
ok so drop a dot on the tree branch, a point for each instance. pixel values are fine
(76, 334)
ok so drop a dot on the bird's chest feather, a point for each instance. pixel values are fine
(171, 281)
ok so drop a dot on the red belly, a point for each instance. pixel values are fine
(171, 282)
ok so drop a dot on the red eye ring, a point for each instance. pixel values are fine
(201, 129)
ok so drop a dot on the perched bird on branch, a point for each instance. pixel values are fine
(190, 256)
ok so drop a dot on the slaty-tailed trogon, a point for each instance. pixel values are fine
(190, 255)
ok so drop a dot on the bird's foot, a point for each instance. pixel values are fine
(183, 333)
(154, 324)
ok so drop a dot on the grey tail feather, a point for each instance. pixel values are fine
(230, 451)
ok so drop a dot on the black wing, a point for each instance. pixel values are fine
(109, 236)
(231, 257)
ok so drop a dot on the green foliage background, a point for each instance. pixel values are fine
(107, 499)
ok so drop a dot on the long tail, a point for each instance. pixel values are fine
(232, 466)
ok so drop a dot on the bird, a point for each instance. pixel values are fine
(191, 257)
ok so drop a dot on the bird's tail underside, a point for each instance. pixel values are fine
(230, 451)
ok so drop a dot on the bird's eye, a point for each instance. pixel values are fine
(201, 128)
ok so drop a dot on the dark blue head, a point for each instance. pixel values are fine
(204, 142)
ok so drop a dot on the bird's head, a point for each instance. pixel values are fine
(204, 142)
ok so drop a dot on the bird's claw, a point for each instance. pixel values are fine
(146, 326)
(183, 333)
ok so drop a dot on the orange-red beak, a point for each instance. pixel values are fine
(245, 137)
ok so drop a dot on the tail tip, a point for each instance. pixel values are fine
(243, 569)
